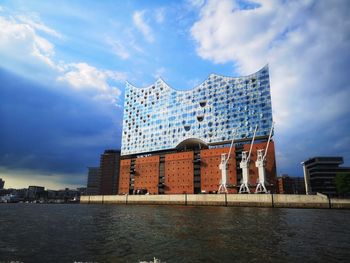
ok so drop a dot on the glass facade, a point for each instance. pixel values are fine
(159, 118)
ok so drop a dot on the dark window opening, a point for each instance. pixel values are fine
(200, 118)
(202, 103)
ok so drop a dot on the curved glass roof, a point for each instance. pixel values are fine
(159, 117)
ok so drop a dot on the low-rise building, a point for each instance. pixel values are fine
(94, 181)
(320, 173)
(290, 185)
(36, 192)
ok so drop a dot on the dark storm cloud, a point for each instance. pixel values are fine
(51, 130)
(329, 138)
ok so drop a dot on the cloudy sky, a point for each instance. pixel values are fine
(63, 65)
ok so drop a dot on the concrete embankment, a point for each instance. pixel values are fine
(255, 200)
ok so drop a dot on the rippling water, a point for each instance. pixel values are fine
(116, 233)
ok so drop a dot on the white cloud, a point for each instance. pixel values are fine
(38, 25)
(195, 3)
(142, 26)
(21, 43)
(305, 44)
(19, 40)
(83, 76)
(118, 48)
(159, 72)
(159, 15)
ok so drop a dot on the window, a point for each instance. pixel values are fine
(200, 118)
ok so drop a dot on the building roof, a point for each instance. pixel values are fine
(337, 160)
(159, 117)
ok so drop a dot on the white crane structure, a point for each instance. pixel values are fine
(244, 165)
(260, 164)
(223, 168)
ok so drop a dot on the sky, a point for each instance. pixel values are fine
(63, 67)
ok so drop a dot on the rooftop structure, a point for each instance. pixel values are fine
(159, 118)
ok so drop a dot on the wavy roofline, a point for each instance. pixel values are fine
(185, 90)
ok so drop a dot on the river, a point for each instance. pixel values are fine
(133, 233)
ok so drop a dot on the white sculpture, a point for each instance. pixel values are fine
(244, 165)
(260, 164)
(223, 168)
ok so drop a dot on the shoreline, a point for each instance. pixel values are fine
(238, 200)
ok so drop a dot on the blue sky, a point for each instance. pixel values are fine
(63, 66)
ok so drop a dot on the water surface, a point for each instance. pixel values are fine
(119, 233)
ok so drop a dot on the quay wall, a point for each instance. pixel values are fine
(245, 200)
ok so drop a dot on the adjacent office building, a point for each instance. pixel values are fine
(109, 172)
(172, 140)
(320, 173)
(94, 181)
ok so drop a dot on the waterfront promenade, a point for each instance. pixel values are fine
(243, 200)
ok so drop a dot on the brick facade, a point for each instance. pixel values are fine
(147, 174)
(210, 172)
(179, 173)
(270, 165)
(124, 176)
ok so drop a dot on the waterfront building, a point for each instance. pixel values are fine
(2, 183)
(67, 194)
(81, 190)
(290, 185)
(94, 181)
(172, 140)
(320, 174)
(21, 193)
(52, 194)
(35, 192)
(109, 172)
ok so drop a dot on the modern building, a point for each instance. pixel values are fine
(290, 185)
(109, 172)
(172, 140)
(320, 173)
(94, 181)
(2, 183)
